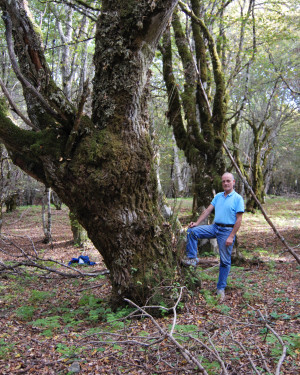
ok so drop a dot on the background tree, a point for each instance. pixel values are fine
(261, 103)
(197, 108)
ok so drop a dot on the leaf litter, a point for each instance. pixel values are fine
(58, 325)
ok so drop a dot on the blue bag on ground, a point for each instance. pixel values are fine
(83, 259)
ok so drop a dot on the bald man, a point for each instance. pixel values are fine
(229, 209)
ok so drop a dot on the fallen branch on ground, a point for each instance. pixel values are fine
(25, 259)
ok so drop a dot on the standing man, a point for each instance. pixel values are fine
(229, 209)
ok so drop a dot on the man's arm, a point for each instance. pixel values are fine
(236, 227)
(202, 217)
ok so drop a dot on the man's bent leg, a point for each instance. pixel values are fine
(225, 257)
(196, 233)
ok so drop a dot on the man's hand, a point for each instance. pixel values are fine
(236, 227)
(229, 241)
(202, 217)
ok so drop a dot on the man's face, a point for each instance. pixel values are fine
(227, 183)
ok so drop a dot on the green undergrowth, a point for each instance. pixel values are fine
(54, 311)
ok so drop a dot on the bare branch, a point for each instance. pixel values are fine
(37, 262)
(283, 355)
(15, 108)
(264, 360)
(25, 82)
(247, 354)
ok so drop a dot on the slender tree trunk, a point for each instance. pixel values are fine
(47, 216)
(178, 183)
(1, 216)
(79, 233)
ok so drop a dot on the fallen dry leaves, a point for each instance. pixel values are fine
(66, 333)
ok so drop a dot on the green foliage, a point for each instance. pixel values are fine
(25, 312)
(39, 295)
(275, 315)
(292, 342)
(118, 314)
(192, 277)
(212, 368)
(251, 296)
(182, 332)
(185, 328)
(5, 348)
(224, 309)
(51, 323)
(89, 300)
(210, 299)
(68, 351)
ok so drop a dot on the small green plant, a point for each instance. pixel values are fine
(224, 309)
(274, 315)
(271, 265)
(210, 299)
(284, 316)
(119, 314)
(25, 312)
(182, 332)
(249, 297)
(279, 291)
(5, 348)
(212, 368)
(67, 351)
(206, 276)
(89, 300)
(292, 341)
(39, 295)
(50, 323)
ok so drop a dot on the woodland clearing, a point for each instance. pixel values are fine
(54, 324)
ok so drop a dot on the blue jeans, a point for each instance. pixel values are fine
(221, 234)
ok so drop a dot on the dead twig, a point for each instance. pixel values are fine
(264, 360)
(247, 354)
(283, 355)
(186, 353)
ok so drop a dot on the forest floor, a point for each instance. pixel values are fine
(53, 324)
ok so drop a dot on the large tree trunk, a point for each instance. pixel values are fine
(102, 168)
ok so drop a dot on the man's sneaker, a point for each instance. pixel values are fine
(221, 294)
(190, 261)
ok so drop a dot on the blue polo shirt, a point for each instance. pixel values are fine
(227, 207)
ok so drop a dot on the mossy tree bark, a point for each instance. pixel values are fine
(261, 150)
(202, 129)
(263, 129)
(101, 167)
